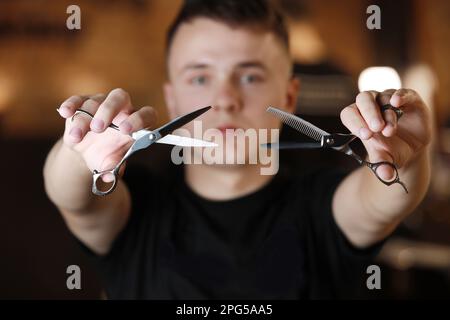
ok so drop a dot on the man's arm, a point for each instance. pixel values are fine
(94, 220)
(88, 144)
(365, 209)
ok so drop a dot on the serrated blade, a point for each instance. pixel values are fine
(299, 124)
(292, 145)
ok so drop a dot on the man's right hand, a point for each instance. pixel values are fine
(88, 145)
(102, 147)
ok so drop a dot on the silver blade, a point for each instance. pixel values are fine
(299, 124)
(185, 141)
(180, 121)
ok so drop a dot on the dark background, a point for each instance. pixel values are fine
(121, 45)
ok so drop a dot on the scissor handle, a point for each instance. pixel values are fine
(81, 111)
(374, 167)
(396, 179)
(398, 111)
(96, 177)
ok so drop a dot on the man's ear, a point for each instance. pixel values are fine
(170, 100)
(292, 94)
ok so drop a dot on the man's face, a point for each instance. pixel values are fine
(238, 71)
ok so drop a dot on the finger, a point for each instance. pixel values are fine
(78, 125)
(68, 107)
(117, 100)
(370, 111)
(385, 172)
(99, 97)
(403, 97)
(143, 118)
(111, 162)
(354, 122)
(76, 129)
(384, 97)
(390, 118)
(108, 177)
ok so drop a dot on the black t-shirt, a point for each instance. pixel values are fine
(280, 242)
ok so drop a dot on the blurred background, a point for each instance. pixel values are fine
(121, 44)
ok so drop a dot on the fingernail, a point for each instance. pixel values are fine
(375, 124)
(388, 130)
(364, 133)
(108, 178)
(97, 124)
(64, 111)
(75, 133)
(396, 99)
(126, 126)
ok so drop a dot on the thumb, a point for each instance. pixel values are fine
(384, 171)
(109, 164)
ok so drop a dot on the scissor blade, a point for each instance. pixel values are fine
(185, 141)
(292, 145)
(299, 124)
(181, 121)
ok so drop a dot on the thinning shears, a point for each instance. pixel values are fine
(145, 138)
(336, 141)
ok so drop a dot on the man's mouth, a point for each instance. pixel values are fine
(223, 128)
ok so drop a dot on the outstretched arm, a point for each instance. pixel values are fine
(365, 209)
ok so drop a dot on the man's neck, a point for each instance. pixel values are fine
(225, 182)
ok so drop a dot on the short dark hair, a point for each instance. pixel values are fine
(261, 14)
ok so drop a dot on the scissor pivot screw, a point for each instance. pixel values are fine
(151, 136)
(330, 141)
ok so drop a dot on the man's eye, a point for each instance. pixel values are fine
(250, 78)
(199, 80)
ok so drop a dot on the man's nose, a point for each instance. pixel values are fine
(228, 98)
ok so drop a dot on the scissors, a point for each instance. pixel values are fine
(336, 141)
(145, 138)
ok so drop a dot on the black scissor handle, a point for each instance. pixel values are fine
(397, 111)
(396, 179)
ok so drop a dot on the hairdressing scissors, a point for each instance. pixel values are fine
(336, 141)
(145, 138)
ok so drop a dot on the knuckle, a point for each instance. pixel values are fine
(150, 111)
(346, 118)
(77, 120)
(90, 103)
(120, 94)
(402, 91)
(137, 121)
(346, 111)
(412, 91)
(88, 106)
(363, 97)
(75, 97)
(343, 113)
(73, 100)
(389, 91)
(99, 97)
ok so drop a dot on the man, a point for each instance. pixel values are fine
(226, 231)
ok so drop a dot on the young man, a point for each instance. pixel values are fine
(226, 231)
